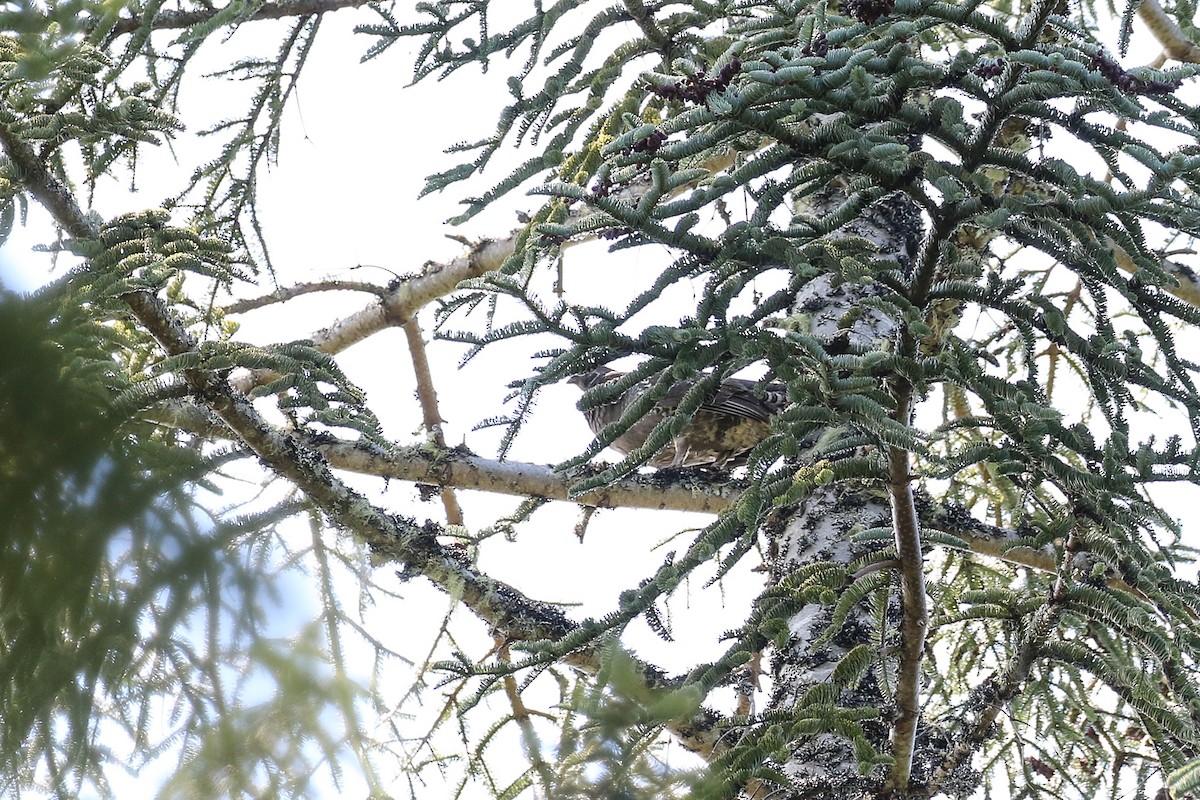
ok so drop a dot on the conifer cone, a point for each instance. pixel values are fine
(724, 430)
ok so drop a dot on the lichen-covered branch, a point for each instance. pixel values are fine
(509, 613)
(174, 20)
(46, 188)
(428, 464)
(436, 467)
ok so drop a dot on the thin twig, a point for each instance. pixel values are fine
(430, 413)
(170, 20)
(522, 715)
(411, 294)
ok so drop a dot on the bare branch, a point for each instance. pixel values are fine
(914, 624)
(431, 465)
(283, 295)
(410, 295)
(1174, 41)
(168, 20)
(436, 467)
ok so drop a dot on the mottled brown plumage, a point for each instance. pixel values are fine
(725, 428)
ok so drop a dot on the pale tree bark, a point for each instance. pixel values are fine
(822, 529)
(819, 532)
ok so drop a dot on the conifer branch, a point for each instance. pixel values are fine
(46, 188)
(510, 613)
(173, 20)
(403, 540)
(998, 690)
